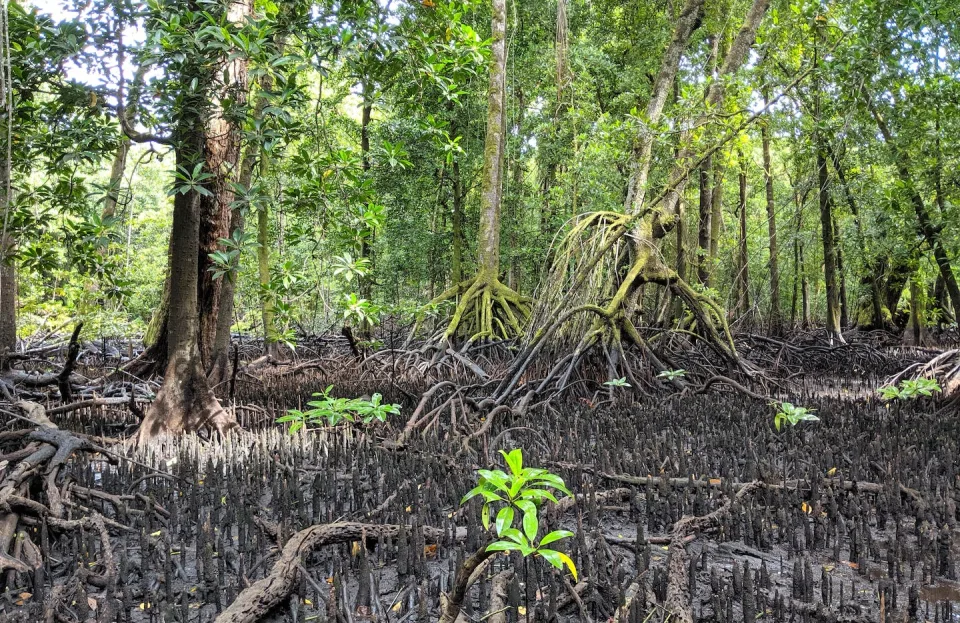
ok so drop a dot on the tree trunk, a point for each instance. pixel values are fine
(456, 265)
(743, 258)
(8, 299)
(8, 267)
(185, 401)
(716, 213)
(704, 224)
(842, 274)
(929, 231)
(366, 252)
(878, 320)
(686, 22)
(829, 248)
(776, 320)
(491, 192)
(119, 164)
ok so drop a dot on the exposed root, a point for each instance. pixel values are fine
(945, 368)
(487, 310)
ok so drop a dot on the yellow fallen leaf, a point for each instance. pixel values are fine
(714, 481)
(806, 508)
(521, 610)
(26, 595)
(409, 509)
(831, 472)
(157, 533)
(396, 607)
(308, 602)
(355, 548)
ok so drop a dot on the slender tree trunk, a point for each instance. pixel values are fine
(916, 313)
(716, 213)
(743, 256)
(842, 275)
(366, 252)
(703, 228)
(8, 295)
(873, 265)
(686, 22)
(456, 267)
(829, 248)
(8, 266)
(795, 296)
(775, 315)
(119, 164)
(491, 191)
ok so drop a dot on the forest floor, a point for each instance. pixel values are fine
(852, 518)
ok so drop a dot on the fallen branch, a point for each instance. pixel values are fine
(264, 595)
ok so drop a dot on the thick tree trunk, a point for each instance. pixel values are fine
(185, 401)
(776, 320)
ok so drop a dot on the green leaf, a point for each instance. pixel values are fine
(504, 519)
(531, 524)
(514, 460)
(503, 546)
(554, 536)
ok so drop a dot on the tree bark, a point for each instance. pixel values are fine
(703, 229)
(686, 23)
(366, 251)
(743, 258)
(491, 192)
(929, 231)
(776, 320)
(457, 243)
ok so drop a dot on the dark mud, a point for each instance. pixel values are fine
(865, 527)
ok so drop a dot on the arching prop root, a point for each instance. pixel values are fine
(945, 368)
(574, 317)
(486, 310)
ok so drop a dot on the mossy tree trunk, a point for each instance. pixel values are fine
(925, 224)
(487, 309)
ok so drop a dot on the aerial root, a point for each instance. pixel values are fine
(486, 310)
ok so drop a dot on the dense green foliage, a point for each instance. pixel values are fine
(365, 125)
